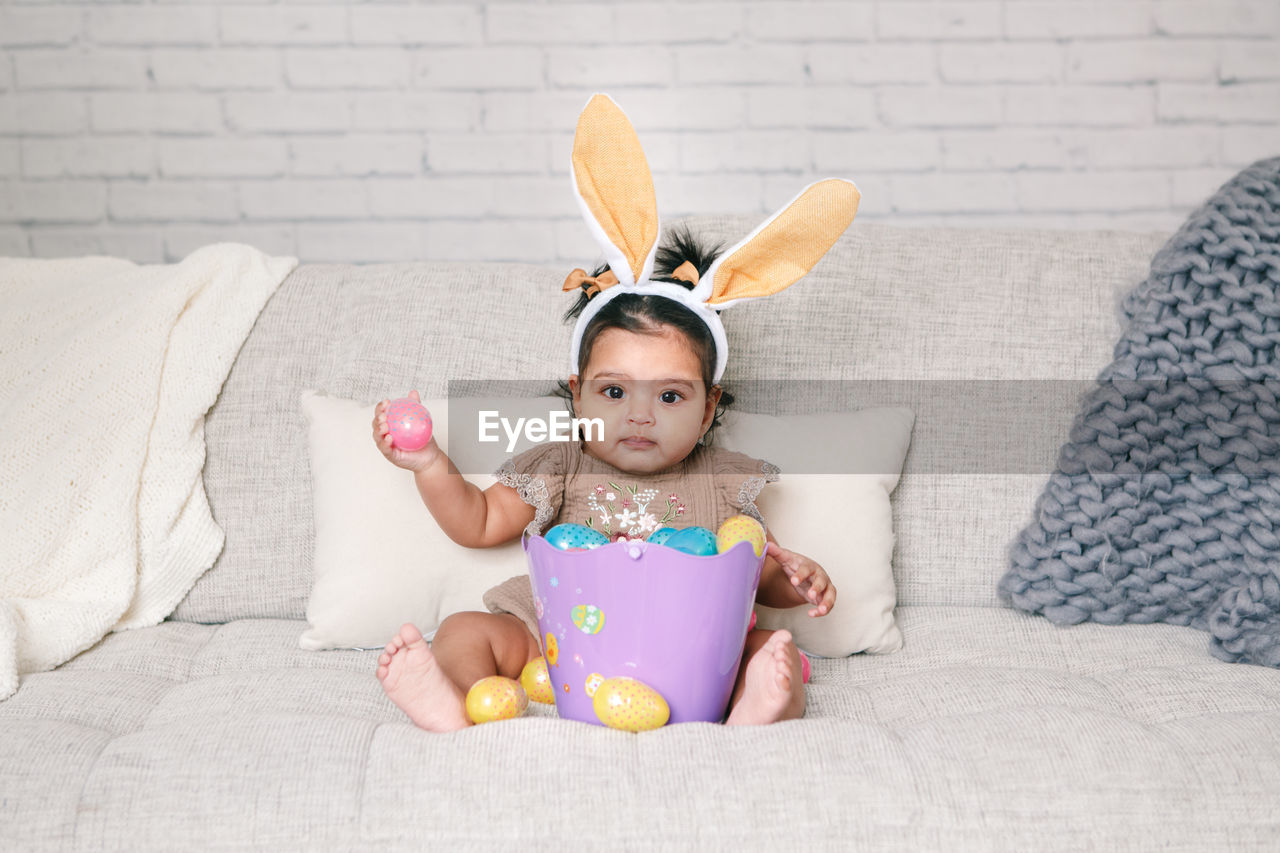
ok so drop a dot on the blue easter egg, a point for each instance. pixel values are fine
(661, 535)
(566, 536)
(698, 541)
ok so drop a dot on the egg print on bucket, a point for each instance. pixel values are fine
(588, 618)
(553, 650)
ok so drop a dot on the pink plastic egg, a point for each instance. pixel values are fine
(409, 423)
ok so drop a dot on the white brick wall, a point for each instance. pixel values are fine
(393, 130)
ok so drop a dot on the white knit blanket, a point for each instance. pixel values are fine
(107, 369)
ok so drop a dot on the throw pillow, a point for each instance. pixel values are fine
(1164, 506)
(380, 560)
(832, 505)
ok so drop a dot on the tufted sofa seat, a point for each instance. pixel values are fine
(988, 726)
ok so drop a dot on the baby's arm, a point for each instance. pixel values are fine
(469, 516)
(789, 579)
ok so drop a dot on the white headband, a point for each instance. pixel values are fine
(614, 190)
(680, 294)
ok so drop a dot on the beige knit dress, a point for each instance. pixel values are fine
(565, 484)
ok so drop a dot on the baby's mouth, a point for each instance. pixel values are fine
(637, 442)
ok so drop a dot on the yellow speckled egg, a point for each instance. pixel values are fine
(496, 698)
(740, 528)
(630, 705)
(536, 682)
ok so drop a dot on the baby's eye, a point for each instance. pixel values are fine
(666, 395)
(608, 392)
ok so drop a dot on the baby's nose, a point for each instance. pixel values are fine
(640, 415)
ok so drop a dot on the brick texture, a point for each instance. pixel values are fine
(389, 130)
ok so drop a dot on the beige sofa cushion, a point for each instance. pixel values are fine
(890, 317)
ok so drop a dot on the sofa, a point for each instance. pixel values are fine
(990, 729)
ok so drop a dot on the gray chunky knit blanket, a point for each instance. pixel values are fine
(1165, 504)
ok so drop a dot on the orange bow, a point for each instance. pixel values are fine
(578, 279)
(686, 272)
(592, 285)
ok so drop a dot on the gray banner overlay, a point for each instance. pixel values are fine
(962, 427)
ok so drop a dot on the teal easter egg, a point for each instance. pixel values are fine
(575, 536)
(698, 541)
(661, 535)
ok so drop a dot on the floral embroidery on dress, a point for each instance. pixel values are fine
(628, 511)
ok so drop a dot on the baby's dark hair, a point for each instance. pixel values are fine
(644, 314)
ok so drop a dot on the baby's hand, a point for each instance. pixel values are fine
(808, 578)
(412, 460)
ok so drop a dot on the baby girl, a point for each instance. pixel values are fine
(647, 356)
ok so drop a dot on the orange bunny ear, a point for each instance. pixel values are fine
(615, 189)
(785, 247)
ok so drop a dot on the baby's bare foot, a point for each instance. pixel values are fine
(414, 681)
(768, 692)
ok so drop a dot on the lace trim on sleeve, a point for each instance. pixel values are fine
(533, 491)
(750, 489)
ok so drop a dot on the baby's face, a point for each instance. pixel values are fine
(648, 391)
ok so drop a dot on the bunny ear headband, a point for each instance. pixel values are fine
(614, 188)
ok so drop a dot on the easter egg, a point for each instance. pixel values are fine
(496, 698)
(661, 535)
(536, 682)
(693, 540)
(594, 680)
(409, 423)
(553, 649)
(630, 705)
(741, 528)
(569, 535)
(588, 618)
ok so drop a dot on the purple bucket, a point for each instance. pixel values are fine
(675, 621)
